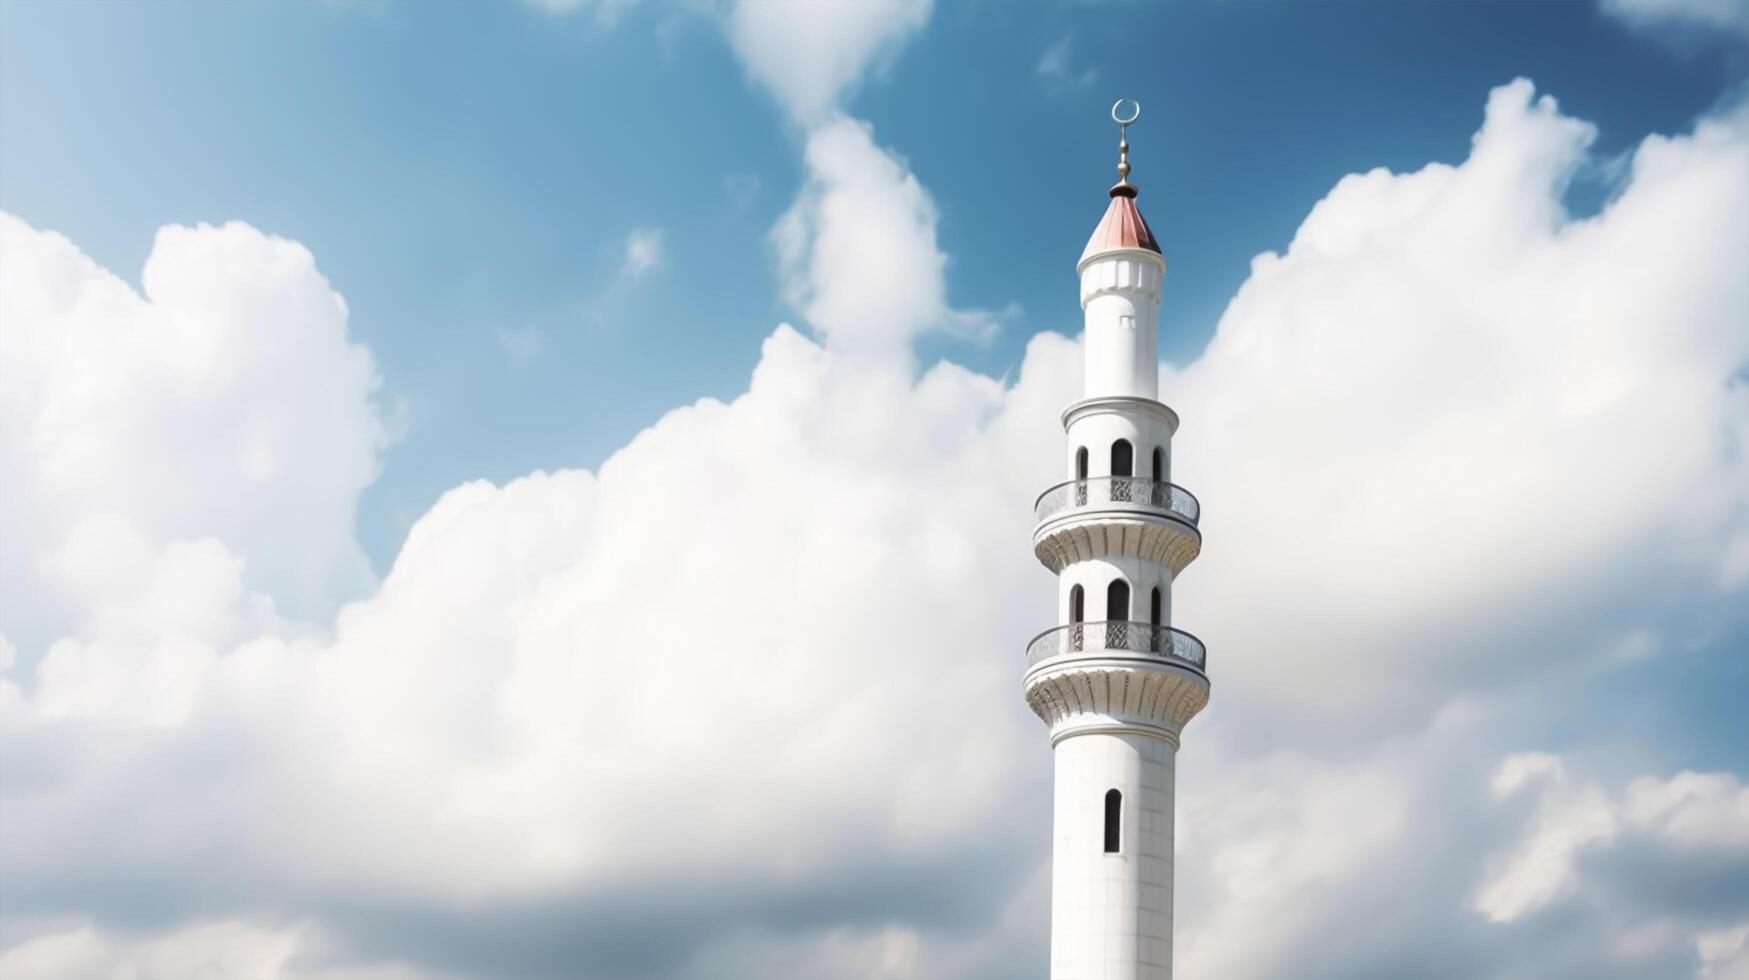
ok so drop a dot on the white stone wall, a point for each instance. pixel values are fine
(1111, 913)
(1120, 295)
(1114, 716)
(1095, 575)
(1098, 429)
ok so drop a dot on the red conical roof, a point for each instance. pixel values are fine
(1122, 226)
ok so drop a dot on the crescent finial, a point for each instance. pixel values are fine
(1123, 139)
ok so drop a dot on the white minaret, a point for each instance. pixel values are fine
(1114, 681)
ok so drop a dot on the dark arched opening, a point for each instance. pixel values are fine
(1154, 620)
(1123, 458)
(1117, 615)
(1113, 820)
(1159, 465)
(1081, 477)
(1117, 600)
(1077, 615)
(1123, 465)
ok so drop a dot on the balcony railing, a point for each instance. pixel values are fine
(1119, 638)
(1122, 491)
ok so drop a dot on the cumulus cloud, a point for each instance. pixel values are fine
(1260, 838)
(206, 949)
(1578, 825)
(521, 343)
(1724, 953)
(1568, 819)
(641, 722)
(608, 12)
(858, 250)
(643, 252)
(1056, 68)
(223, 400)
(1694, 809)
(809, 54)
(1496, 366)
(1529, 865)
(1730, 16)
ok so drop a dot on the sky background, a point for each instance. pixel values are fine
(469, 177)
(401, 437)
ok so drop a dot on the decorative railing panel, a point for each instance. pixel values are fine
(1122, 491)
(1118, 637)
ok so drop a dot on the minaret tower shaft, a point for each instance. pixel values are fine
(1113, 680)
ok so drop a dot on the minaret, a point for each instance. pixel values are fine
(1114, 681)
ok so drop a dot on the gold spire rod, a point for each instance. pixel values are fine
(1123, 136)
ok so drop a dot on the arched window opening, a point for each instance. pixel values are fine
(1159, 465)
(1123, 458)
(1117, 614)
(1077, 615)
(1154, 621)
(1081, 477)
(1123, 465)
(1117, 600)
(1113, 820)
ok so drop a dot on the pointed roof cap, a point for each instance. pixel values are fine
(1122, 227)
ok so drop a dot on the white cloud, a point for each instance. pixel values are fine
(858, 249)
(226, 401)
(643, 253)
(608, 12)
(1261, 840)
(809, 54)
(521, 343)
(1010, 944)
(1724, 953)
(226, 950)
(508, 605)
(1731, 16)
(1057, 67)
(802, 610)
(1494, 363)
(1687, 811)
(1693, 809)
(890, 953)
(1569, 818)
(741, 191)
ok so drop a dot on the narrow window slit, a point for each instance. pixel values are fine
(1113, 819)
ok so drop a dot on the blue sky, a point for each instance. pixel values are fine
(425, 555)
(464, 170)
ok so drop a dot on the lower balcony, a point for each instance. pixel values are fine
(1123, 492)
(1120, 639)
(1116, 516)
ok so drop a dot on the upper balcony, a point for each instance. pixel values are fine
(1115, 676)
(1118, 491)
(1109, 516)
(1118, 639)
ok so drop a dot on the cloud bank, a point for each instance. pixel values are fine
(224, 400)
(1726, 16)
(745, 701)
